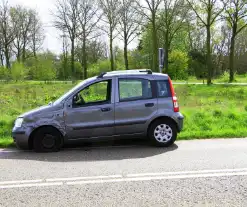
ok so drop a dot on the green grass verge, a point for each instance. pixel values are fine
(223, 79)
(6, 142)
(216, 111)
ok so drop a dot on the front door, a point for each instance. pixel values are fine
(91, 114)
(135, 106)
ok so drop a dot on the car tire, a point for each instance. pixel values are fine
(163, 133)
(47, 139)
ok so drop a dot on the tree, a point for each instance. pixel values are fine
(7, 30)
(88, 19)
(36, 33)
(173, 18)
(65, 55)
(95, 49)
(149, 9)
(23, 19)
(129, 25)
(67, 20)
(235, 14)
(207, 12)
(111, 16)
(179, 65)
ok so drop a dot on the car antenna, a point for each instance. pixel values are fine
(102, 75)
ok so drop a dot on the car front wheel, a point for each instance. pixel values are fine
(163, 133)
(47, 139)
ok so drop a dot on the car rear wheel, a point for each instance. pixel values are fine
(47, 139)
(163, 133)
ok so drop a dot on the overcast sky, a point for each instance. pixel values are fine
(44, 7)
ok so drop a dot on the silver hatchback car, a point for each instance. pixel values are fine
(134, 103)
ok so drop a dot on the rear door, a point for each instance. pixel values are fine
(135, 104)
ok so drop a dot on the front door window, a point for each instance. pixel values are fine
(95, 94)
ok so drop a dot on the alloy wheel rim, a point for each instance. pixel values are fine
(163, 133)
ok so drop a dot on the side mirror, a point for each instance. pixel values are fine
(69, 103)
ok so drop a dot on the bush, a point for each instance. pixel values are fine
(103, 66)
(225, 77)
(18, 71)
(178, 68)
(43, 69)
(4, 73)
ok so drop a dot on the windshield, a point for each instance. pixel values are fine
(58, 101)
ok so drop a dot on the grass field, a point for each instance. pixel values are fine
(223, 79)
(210, 111)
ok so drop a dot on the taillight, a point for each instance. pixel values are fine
(174, 98)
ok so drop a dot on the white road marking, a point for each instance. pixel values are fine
(83, 178)
(186, 172)
(31, 185)
(157, 178)
(120, 178)
(20, 182)
(8, 151)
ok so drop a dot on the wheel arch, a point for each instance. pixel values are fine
(162, 118)
(32, 134)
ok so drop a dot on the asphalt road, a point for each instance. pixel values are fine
(191, 173)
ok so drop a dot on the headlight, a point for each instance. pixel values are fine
(18, 122)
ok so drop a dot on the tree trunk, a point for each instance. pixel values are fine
(24, 53)
(6, 53)
(84, 53)
(231, 56)
(73, 58)
(126, 53)
(111, 51)
(166, 55)
(209, 61)
(1, 57)
(18, 56)
(155, 47)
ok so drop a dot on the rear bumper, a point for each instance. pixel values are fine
(179, 118)
(20, 137)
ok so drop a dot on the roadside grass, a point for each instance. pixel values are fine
(216, 111)
(222, 79)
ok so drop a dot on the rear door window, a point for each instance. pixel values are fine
(163, 89)
(134, 89)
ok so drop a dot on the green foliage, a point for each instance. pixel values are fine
(4, 73)
(197, 64)
(44, 70)
(78, 71)
(41, 68)
(103, 66)
(137, 60)
(18, 71)
(97, 68)
(178, 67)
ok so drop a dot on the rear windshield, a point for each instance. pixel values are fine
(163, 89)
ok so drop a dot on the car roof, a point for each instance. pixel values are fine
(133, 72)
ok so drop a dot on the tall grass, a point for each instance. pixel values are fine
(215, 111)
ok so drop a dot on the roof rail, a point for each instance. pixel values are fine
(102, 75)
(148, 71)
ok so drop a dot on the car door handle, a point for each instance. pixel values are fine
(149, 104)
(105, 109)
